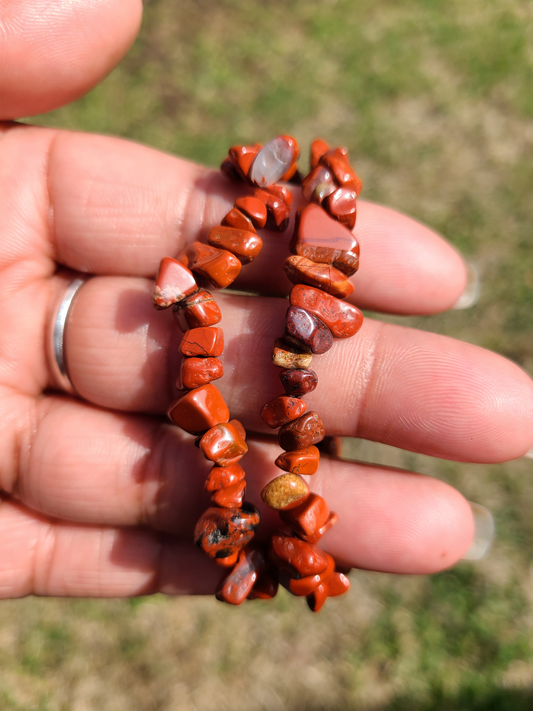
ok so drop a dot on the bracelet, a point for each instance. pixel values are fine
(324, 254)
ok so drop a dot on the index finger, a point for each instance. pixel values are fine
(118, 208)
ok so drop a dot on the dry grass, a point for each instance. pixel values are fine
(434, 99)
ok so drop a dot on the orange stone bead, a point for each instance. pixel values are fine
(298, 558)
(282, 409)
(238, 585)
(199, 371)
(228, 562)
(300, 461)
(236, 218)
(342, 205)
(230, 496)
(197, 310)
(254, 209)
(222, 532)
(199, 409)
(300, 270)
(302, 432)
(207, 341)
(318, 148)
(285, 492)
(245, 245)
(278, 213)
(173, 283)
(220, 267)
(318, 185)
(342, 319)
(322, 239)
(282, 193)
(223, 443)
(242, 157)
(337, 161)
(221, 477)
(310, 519)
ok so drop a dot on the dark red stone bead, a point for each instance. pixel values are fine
(196, 311)
(242, 158)
(220, 477)
(337, 161)
(298, 382)
(278, 214)
(307, 330)
(266, 585)
(342, 205)
(283, 193)
(318, 148)
(322, 239)
(240, 582)
(318, 185)
(236, 218)
(222, 532)
(342, 319)
(310, 519)
(306, 430)
(255, 209)
(298, 558)
(301, 270)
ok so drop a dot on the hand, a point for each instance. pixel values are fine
(101, 492)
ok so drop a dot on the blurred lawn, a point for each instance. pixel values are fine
(435, 101)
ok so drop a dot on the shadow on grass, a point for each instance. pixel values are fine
(469, 699)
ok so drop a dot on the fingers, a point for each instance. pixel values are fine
(407, 388)
(53, 53)
(114, 470)
(118, 208)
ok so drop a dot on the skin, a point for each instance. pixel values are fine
(99, 493)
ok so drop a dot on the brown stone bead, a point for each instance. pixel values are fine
(206, 341)
(252, 562)
(342, 319)
(220, 267)
(282, 193)
(298, 558)
(337, 161)
(242, 158)
(300, 461)
(306, 330)
(223, 443)
(318, 148)
(278, 214)
(322, 239)
(298, 382)
(222, 532)
(173, 283)
(318, 185)
(236, 218)
(342, 205)
(285, 492)
(199, 409)
(198, 371)
(310, 519)
(300, 270)
(197, 310)
(255, 209)
(306, 430)
(230, 496)
(285, 355)
(245, 245)
(220, 477)
(282, 409)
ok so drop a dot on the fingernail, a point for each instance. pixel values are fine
(471, 294)
(483, 532)
(529, 454)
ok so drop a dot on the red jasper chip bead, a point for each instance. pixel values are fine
(342, 319)
(282, 193)
(236, 218)
(307, 330)
(199, 409)
(300, 461)
(342, 205)
(196, 311)
(222, 532)
(206, 341)
(302, 432)
(240, 582)
(218, 266)
(195, 372)
(245, 245)
(300, 270)
(266, 585)
(318, 185)
(173, 283)
(242, 157)
(224, 443)
(282, 409)
(220, 477)
(337, 161)
(298, 558)
(320, 238)
(298, 382)
(230, 496)
(318, 149)
(255, 209)
(311, 519)
(278, 213)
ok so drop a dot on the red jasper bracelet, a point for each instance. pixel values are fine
(324, 254)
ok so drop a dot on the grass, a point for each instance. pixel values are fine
(434, 101)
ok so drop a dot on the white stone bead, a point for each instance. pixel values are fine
(272, 162)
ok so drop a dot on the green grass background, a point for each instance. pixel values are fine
(434, 100)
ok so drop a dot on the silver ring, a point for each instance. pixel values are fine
(58, 332)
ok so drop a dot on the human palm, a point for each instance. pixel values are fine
(101, 493)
